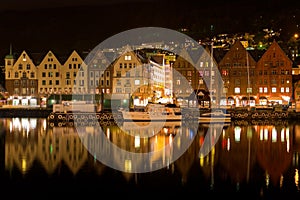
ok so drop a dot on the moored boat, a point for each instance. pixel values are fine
(216, 116)
(154, 112)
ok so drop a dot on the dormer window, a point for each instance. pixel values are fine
(128, 57)
(24, 57)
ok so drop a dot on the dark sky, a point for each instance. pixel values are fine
(65, 25)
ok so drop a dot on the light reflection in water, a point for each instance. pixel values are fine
(238, 152)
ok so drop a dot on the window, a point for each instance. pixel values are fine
(118, 82)
(81, 82)
(127, 90)
(224, 72)
(127, 57)
(118, 74)
(237, 81)
(237, 90)
(273, 89)
(137, 82)
(287, 89)
(260, 90)
(273, 81)
(282, 89)
(265, 90)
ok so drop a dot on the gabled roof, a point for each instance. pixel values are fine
(238, 46)
(274, 46)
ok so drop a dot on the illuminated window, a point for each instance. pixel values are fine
(287, 89)
(237, 90)
(137, 82)
(273, 89)
(128, 57)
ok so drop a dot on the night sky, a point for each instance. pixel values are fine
(65, 25)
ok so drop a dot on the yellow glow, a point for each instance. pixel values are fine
(24, 165)
(274, 135)
(201, 160)
(237, 134)
(281, 181)
(296, 177)
(267, 179)
(128, 166)
(228, 144)
(137, 141)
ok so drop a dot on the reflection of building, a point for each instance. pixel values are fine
(30, 140)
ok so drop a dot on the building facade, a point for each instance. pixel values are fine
(21, 80)
(238, 69)
(274, 76)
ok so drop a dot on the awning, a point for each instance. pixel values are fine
(230, 98)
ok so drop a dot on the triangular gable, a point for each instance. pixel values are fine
(238, 47)
(130, 52)
(50, 54)
(24, 57)
(97, 58)
(74, 54)
(275, 46)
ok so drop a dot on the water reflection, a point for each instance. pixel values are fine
(259, 157)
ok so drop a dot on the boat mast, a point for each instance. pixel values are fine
(211, 70)
(248, 78)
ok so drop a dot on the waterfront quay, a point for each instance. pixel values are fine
(236, 113)
(34, 112)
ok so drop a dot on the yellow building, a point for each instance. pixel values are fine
(21, 80)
